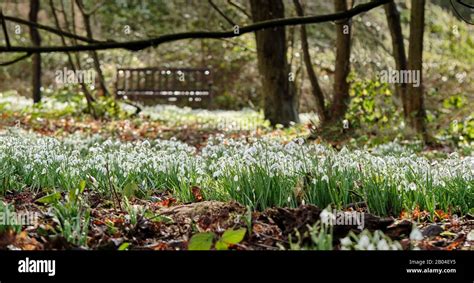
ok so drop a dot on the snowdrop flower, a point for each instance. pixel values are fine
(236, 178)
(325, 178)
(412, 186)
(382, 245)
(346, 241)
(415, 234)
(395, 246)
(364, 242)
(217, 174)
(327, 217)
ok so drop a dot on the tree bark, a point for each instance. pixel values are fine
(137, 45)
(415, 104)
(341, 97)
(93, 53)
(36, 59)
(398, 49)
(279, 92)
(316, 88)
(88, 96)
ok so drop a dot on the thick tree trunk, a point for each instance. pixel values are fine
(279, 93)
(415, 105)
(36, 59)
(341, 97)
(398, 49)
(317, 91)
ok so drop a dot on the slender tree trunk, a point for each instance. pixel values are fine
(36, 59)
(89, 98)
(95, 57)
(63, 40)
(316, 88)
(279, 93)
(415, 104)
(398, 49)
(341, 97)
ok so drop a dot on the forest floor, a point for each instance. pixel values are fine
(143, 183)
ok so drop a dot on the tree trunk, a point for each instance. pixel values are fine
(415, 105)
(89, 98)
(279, 92)
(317, 91)
(95, 57)
(341, 97)
(398, 49)
(36, 59)
(63, 40)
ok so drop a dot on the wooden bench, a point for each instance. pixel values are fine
(193, 84)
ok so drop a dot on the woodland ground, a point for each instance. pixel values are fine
(176, 178)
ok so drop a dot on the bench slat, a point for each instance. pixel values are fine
(163, 82)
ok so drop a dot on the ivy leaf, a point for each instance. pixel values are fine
(51, 198)
(222, 246)
(233, 237)
(201, 242)
(124, 246)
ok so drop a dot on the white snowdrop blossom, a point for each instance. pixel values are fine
(39, 161)
(325, 178)
(346, 241)
(382, 245)
(327, 217)
(364, 242)
(415, 234)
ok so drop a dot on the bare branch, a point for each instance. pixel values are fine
(4, 26)
(240, 8)
(142, 44)
(50, 29)
(97, 7)
(465, 5)
(229, 20)
(90, 12)
(16, 60)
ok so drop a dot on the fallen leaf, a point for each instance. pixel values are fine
(196, 191)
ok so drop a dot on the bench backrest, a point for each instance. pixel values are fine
(164, 82)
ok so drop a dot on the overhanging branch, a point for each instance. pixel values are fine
(220, 12)
(50, 29)
(15, 60)
(142, 44)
